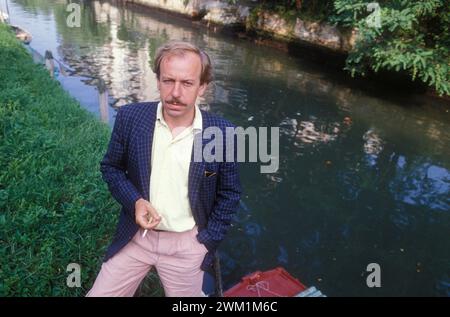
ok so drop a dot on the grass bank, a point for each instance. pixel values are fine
(54, 207)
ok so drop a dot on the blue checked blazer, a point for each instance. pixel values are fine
(126, 168)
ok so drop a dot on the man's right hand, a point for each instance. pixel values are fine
(144, 211)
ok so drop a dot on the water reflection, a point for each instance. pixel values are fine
(423, 185)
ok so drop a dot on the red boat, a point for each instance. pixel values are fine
(274, 283)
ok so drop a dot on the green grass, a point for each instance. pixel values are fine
(54, 207)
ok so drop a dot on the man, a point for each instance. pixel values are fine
(175, 210)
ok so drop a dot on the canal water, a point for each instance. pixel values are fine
(364, 173)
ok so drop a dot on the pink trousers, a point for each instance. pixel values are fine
(177, 257)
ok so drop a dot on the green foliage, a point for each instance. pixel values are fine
(54, 207)
(413, 36)
(310, 10)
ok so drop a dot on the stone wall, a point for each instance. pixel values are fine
(217, 11)
(190, 7)
(221, 12)
(316, 33)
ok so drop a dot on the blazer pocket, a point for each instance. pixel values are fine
(210, 173)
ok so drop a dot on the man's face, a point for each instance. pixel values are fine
(179, 84)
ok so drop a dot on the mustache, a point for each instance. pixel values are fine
(175, 101)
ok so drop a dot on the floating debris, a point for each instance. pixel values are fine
(373, 143)
(275, 179)
(347, 121)
(307, 133)
(21, 34)
(288, 126)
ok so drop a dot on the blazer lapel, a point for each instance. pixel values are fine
(196, 169)
(145, 142)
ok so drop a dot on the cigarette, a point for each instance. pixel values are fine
(145, 231)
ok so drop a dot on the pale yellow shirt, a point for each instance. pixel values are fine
(171, 157)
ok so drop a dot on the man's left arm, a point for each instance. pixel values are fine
(225, 206)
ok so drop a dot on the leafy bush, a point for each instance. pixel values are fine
(412, 36)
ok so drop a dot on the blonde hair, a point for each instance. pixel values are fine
(180, 48)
